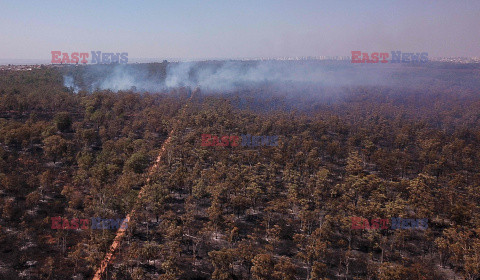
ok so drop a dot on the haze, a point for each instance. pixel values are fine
(238, 29)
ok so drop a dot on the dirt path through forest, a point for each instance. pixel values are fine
(109, 257)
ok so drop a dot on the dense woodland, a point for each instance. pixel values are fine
(280, 212)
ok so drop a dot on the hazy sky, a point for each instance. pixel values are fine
(242, 28)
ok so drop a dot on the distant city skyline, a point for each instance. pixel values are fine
(196, 30)
(4, 62)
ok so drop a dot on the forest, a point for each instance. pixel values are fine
(404, 148)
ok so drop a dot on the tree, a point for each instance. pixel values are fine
(215, 215)
(222, 261)
(138, 162)
(55, 147)
(284, 269)
(63, 121)
(263, 267)
(354, 164)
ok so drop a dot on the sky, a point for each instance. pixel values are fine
(188, 29)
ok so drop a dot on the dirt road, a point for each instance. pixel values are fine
(110, 256)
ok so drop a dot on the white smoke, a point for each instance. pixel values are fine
(120, 79)
(178, 75)
(68, 82)
(231, 75)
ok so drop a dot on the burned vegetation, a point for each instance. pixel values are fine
(406, 149)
